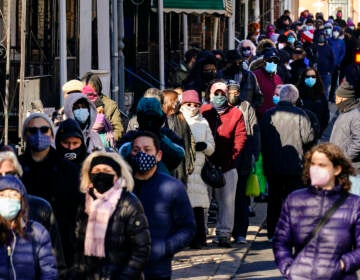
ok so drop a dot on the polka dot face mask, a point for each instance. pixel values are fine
(143, 162)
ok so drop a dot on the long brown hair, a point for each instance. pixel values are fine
(171, 104)
(337, 157)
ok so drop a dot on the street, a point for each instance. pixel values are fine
(254, 260)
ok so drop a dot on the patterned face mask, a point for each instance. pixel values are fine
(143, 162)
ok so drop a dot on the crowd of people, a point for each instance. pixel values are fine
(90, 199)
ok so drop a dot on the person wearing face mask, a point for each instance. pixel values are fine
(247, 50)
(69, 142)
(176, 122)
(228, 127)
(113, 238)
(331, 252)
(48, 175)
(312, 95)
(25, 245)
(204, 145)
(244, 162)
(339, 20)
(325, 62)
(150, 117)
(166, 205)
(345, 131)
(267, 79)
(339, 48)
(78, 107)
(249, 88)
(285, 132)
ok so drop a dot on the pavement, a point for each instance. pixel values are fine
(253, 260)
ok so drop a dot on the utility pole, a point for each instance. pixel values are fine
(7, 75)
(161, 44)
(121, 56)
(22, 68)
(62, 46)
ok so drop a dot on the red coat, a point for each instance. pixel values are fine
(267, 83)
(229, 133)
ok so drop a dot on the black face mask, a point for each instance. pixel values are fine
(76, 155)
(207, 77)
(102, 181)
(234, 99)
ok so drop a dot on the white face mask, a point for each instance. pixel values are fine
(81, 114)
(281, 46)
(336, 34)
(189, 111)
(319, 176)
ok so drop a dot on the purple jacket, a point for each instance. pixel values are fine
(338, 239)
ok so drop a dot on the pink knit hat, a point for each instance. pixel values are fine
(218, 86)
(190, 96)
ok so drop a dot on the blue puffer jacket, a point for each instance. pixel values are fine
(338, 239)
(171, 220)
(29, 252)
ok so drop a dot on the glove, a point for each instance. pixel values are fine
(200, 146)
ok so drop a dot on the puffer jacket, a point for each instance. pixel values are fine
(31, 256)
(338, 239)
(346, 134)
(127, 243)
(285, 130)
(196, 188)
(92, 139)
(171, 220)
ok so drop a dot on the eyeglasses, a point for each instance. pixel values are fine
(210, 71)
(272, 59)
(34, 129)
(245, 48)
(195, 105)
(310, 76)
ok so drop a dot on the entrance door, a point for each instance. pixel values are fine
(335, 5)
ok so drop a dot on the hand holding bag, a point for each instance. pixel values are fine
(212, 175)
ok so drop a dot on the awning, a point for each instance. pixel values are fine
(221, 7)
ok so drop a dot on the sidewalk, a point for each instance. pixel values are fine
(213, 262)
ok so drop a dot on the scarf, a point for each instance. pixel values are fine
(347, 105)
(100, 211)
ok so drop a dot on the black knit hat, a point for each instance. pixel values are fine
(68, 128)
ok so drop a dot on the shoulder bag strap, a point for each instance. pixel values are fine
(326, 218)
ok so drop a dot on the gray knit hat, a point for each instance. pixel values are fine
(34, 116)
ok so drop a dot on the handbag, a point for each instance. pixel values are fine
(252, 185)
(212, 175)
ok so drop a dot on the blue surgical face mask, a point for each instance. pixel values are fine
(291, 40)
(38, 142)
(9, 208)
(270, 67)
(246, 53)
(219, 100)
(276, 99)
(81, 114)
(328, 31)
(310, 82)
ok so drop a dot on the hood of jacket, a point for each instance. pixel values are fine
(69, 104)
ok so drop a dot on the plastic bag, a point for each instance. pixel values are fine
(252, 185)
(260, 174)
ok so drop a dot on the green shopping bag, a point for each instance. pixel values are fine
(252, 185)
(260, 174)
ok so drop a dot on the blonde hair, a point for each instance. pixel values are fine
(124, 168)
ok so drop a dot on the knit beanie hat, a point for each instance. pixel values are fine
(190, 96)
(346, 90)
(218, 86)
(68, 128)
(12, 183)
(72, 86)
(34, 116)
(149, 106)
(233, 85)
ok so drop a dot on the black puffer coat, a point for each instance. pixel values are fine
(127, 243)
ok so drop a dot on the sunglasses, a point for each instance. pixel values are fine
(310, 76)
(34, 129)
(195, 105)
(272, 59)
(245, 48)
(13, 173)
